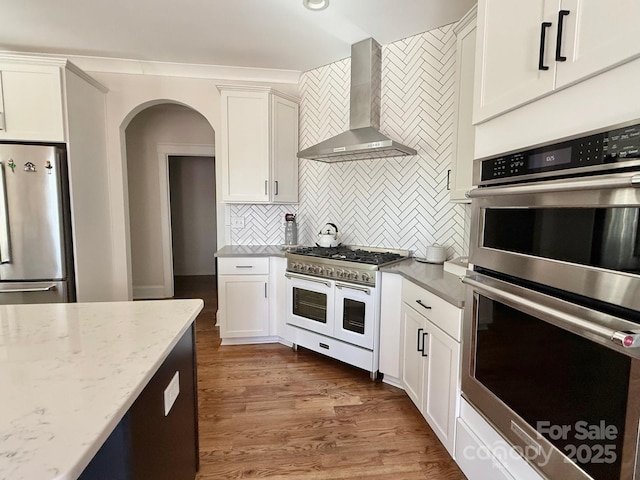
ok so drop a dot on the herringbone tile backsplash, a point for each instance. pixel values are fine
(395, 203)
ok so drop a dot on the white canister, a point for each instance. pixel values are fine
(436, 253)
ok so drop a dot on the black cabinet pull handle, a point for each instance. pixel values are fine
(419, 302)
(420, 336)
(561, 15)
(424, 344)
(543, 34)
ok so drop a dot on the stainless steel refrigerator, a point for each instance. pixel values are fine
(36, 259)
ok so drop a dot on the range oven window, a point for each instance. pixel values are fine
(597, 237)
(309, 304)
(353, 318)
(546, 374)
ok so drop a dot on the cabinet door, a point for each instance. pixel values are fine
(461, 178)
(244, 302)
(413, 361)
(245, 146)
(284, 149)
(442, 384)
(31, 103)
(507, 55)
(597, 35)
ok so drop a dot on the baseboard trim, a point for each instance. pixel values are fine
(148, 292)
(248, 340)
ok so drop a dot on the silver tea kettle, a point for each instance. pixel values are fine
(328, 236)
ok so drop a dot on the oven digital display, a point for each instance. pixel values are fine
(550, 158)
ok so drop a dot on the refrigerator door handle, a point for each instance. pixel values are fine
(5, 247)
(50, 288)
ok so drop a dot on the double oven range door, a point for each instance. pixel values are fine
(552, 327)
(340, 310)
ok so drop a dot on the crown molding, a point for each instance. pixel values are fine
(192, 70)
(163, 69)
(53, 61)
(256, 88)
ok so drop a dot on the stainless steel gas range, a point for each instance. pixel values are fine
(333, 301)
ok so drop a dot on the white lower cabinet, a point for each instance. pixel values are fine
(414, 364)
(430, 353)
(243, 297)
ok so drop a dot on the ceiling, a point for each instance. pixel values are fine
(279, 34)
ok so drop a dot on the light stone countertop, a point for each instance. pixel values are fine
(69, 373)
(432, 278)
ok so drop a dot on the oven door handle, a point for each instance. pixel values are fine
(617, 180)
(525, 301)
(354, 287)
(308, 279)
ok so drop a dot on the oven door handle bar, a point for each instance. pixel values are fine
(308, 279)
(354, 287)
(574, 323)
(590, 183)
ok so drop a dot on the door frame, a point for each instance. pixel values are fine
(166, 150)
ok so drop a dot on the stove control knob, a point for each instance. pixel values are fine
(365, 277)
(306, 268)
(353, 275)
(317, 270)
(340, 273)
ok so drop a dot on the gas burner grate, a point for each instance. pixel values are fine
(349, 254)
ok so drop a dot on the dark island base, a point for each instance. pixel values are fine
(147, 444)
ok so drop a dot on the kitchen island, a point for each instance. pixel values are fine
(74, 375)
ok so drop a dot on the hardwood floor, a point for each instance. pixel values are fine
(266, 411)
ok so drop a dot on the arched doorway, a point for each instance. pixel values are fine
(159, 140)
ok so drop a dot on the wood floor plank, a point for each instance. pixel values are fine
(266, 411)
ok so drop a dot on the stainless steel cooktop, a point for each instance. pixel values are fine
(348, 263)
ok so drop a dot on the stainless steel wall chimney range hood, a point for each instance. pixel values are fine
(363, 140)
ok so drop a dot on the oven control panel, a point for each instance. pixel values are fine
(615, 148)
(345, 273)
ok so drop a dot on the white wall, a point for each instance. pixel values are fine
(168, 123)
(130, 93)
(193, 216)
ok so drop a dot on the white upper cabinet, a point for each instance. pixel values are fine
(597, 35)
(31, 103)
(284, 149)
(460, 178)
(259, 143)
(527, 49)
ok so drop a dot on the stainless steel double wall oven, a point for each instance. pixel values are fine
(552, 327)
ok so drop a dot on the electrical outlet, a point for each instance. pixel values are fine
(237, 222)
(171, 393)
